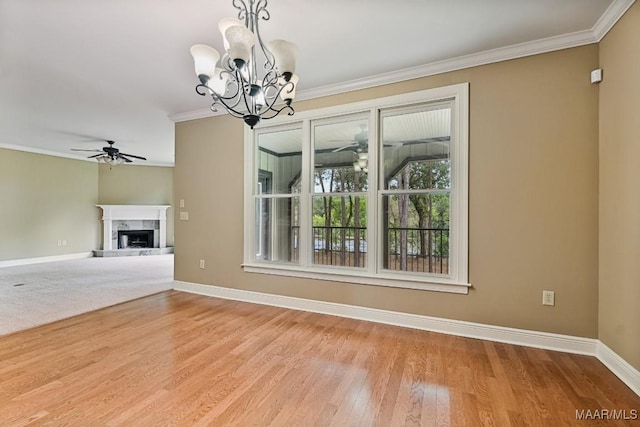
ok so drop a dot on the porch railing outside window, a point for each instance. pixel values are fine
(418, 250)
(407, 249)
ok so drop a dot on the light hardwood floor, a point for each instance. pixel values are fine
(181, 359)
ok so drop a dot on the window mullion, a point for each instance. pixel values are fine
(250, 149)
(372, 194)
(305, 196)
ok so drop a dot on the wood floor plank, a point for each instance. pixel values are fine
(181, 359)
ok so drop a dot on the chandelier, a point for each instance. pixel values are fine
(247, 85)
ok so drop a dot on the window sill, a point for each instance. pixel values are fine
(360, 277)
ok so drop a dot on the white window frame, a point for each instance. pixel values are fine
(457, 279)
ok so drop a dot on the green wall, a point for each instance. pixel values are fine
(137, 185)
(45, 199)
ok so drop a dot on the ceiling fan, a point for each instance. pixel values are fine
(359, 140)
(110, 154)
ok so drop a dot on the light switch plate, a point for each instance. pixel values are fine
(548, 298)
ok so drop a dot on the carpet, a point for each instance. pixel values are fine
(32, 295)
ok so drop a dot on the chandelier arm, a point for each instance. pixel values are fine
(278, 111)
(244, 91)
(231, 111)
(275, 99)
(202, 89)
(230, 103)
(270, 61)
(289, 84)
(243, 10)
(230, 108)
(261, 10)
(232, 80)
(271, 78)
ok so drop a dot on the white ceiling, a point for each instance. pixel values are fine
(73, 71)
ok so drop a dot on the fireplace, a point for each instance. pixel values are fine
(134, 239)
(129, 227)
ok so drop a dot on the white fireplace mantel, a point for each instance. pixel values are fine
(112, 213)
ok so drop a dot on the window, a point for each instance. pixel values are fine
(373, 192)
(416, 188)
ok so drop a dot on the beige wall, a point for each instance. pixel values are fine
(138, 185)
(619, 231)
(44, 199)
(533, 200)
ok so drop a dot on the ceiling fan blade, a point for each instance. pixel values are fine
(440, 139)
(135, 157)
(354, 144)
(81, 149)
(120, 156)
(95, 155)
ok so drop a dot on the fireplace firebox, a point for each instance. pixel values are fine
(130, 239)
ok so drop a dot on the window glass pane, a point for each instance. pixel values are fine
(342, 149)
(340, 230)
(416, 232)
(422, 175)
(421, 139)
(279, 158)
(339, 180)
(277, 229)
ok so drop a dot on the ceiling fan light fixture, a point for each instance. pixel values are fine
(250, 76)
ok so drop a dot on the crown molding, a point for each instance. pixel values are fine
(462, 62)
(194, 115)
(610, 16)
(580, 38)
(35, 150)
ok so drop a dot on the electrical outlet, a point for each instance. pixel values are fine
(548, 298)
(201, 263)
(182, 203)
(59, 242)
(64, 243)
(184, 216)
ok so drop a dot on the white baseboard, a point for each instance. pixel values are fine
(620, 367)
(38, 260)
(548, 341)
